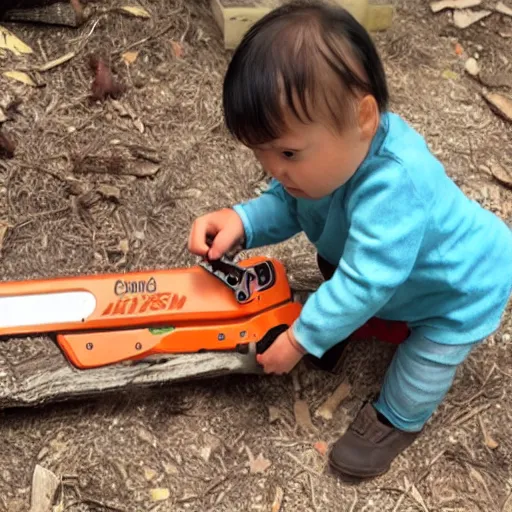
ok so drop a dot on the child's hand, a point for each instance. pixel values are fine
(282, 356)
(224, 226)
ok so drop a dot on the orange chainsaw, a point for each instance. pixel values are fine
(105, 319)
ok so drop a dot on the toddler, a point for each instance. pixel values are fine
(396, 239)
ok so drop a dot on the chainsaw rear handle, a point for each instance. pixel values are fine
(270, 337)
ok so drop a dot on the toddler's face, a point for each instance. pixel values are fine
(310, 160)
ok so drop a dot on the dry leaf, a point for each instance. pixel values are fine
(57, 62)
(465, 18)
(278, 500)
(44, 487)
(500, 104)
(302, 415)
(259, 464)
(135, 10)
(475, 475)
(177, 49)
(448, 74)
(130, 57)
(160, 494)
(9, 41)
(418, 497)
(20, 76)
(503, 9)
(327, 409)
(453, 4)
(459, 50)
(321, 447)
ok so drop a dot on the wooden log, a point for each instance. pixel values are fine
(50, 12)
(33, 371)
(235, 17)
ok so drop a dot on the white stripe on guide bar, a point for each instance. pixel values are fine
(46, 308)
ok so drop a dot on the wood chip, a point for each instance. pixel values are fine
(44, 486)
(278, 500)
(327, 409)
(465, 18)
(141, 170)
(303, 416)
(501, 175)
(3, 117)
(109, 192)
(160, 494)
(500, 104)
(3, 232)
(274, 414)
(441, 5)
(503, 9)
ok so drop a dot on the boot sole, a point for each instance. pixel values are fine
(354, 476)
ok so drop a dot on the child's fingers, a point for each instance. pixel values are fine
(198, 234)
(223, 241)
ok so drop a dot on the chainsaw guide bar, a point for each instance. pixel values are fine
(100, 320)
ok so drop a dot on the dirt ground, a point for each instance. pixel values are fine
(72, 205)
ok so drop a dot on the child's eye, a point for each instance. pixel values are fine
(288, 154)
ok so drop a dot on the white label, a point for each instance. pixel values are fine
(46, 308)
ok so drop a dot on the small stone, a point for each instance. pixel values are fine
(472, 66)
(506, 338)
(6, 475)
(71, 129)
(476, 55)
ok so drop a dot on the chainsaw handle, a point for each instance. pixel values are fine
(269, 338)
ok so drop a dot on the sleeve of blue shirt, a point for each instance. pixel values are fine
(387, 220)
(270, 218)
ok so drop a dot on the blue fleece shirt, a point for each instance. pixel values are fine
(406, 242)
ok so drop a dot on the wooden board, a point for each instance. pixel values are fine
(235, 17)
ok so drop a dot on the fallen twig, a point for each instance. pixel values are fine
(459, 420)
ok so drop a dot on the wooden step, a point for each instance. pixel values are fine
(235, 17)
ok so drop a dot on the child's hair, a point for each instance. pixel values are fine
(305, 54)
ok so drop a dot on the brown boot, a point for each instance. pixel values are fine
(369, 446)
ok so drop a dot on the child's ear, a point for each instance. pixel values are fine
(368, 116)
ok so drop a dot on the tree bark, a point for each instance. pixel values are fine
(34, 371)
(51, 12)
